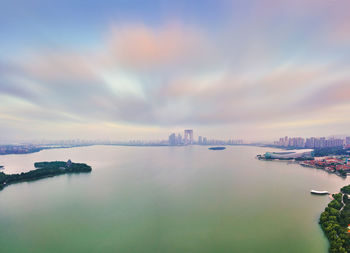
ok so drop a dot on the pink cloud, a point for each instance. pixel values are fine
(139, 46)
(56, 65)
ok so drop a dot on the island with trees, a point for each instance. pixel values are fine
(44, 170)
(335, 221)
(217, 148)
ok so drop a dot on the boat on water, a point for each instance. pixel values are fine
(319, 192)
(217, 148)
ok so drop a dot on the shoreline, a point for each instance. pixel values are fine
(304, 163)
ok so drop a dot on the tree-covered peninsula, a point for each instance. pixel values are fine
(335, 220)
(44, 170)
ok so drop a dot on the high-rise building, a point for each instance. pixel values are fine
(347, 140)
(200, 140)
(312, 142)
(188, 136)
(205, 141)
(334, 143)
(179, 139)
(172, 139)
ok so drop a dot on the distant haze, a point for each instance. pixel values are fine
(254, 70)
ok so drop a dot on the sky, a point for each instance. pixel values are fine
(124, 69)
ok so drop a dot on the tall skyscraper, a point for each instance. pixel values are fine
(179, 139)
(188, 136)
(172, 139)
(200, 140)
(205, 141)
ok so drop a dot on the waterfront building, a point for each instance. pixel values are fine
(289, 154)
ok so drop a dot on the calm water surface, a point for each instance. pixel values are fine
(165, 199)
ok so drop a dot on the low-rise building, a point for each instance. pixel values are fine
(289, 154)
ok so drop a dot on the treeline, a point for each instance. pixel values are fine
(330, 151)
(44, 170)
(69, 166)
(346, 189)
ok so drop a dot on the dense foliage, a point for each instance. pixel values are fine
(44, 169)
(334, 221)
(68, 166)
(344, 218)
(330, 151)
(304, 159)
(329, 220)
(346, 189)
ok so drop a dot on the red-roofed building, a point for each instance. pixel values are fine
(342, 167)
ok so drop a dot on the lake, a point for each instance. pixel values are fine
(165, 199)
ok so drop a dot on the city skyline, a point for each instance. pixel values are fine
(188, 138)
(121, 70)
(178, 138)
(313, 142)
(179, 134)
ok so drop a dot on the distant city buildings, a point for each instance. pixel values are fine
(188, 139)
(313, 142)
(175, 140)
(18, 149)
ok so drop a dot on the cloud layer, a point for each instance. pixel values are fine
(256, 74)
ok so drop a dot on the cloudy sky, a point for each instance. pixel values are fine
(137, 69)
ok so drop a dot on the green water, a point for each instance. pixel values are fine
(165, 199)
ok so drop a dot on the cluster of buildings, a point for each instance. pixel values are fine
(313, 142)
(188, 139)
(339, 164)
(330, 164)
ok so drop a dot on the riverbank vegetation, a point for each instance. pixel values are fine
(44, 170)
(334, 221)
